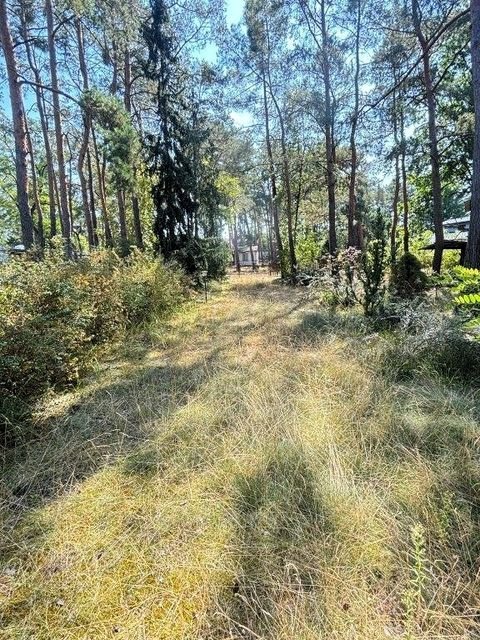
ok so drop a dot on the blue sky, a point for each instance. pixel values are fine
(234, 15)
(234, 11)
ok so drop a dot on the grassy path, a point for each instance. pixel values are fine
(246, 474)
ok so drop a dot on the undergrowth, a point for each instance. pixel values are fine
(55, 315)
(249, 474)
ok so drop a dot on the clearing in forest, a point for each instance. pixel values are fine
(246, 472)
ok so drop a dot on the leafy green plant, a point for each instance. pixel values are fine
(408, 280)
(54, 315)
(355, 276)
(413, 597)
(372, 266)
(466, 294)
(308, 250)
(205, 254)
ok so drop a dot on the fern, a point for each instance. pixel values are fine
(466, 295)
(468, 300)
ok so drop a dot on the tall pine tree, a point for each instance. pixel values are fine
(170, 164)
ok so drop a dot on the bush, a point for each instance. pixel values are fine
(205, 254)
(429, 341)
(408, 280)
(465, 287)
(308, 250)
(372, 266)
(53, 314)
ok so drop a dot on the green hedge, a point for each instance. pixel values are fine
(54, 314)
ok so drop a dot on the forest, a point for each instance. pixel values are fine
(239, 319)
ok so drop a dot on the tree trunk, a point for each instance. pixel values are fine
(432, 134)
(298, 198)
(91, 231)
(273, 181)
(39, 233)
(70, 183)
(396, 193)
(235, 244)
(19, 128)
(91, 192)
(51, 177)
(288, 193)
(355, 235)
(122, 211)
(122, 219)
(403, 151)
(286, 171)
(472, 256)
(39, 98)
(62, 178)
(329, 146)
(87, 120)
(137, 222)
(269, 225)
(114, 83)
(103, 198)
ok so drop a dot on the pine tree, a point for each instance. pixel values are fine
(170, 163)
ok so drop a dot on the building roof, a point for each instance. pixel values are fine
(447, 244)
(453, 222)
(254, 248)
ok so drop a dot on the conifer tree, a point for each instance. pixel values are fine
(170, 164)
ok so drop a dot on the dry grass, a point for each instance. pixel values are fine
(245, 473)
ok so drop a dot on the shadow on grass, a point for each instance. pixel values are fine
(113, 423)
(117, 421)
(265, 288)
(435, 422)
(320, 323)
(280, 521)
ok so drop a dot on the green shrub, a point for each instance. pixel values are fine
(408, 280)
(205, 254)
(146, 287)
(308, 250)
(54, 314)
(465, 285)
(372, 266)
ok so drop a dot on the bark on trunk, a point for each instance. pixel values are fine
(298, 198)
(286, 171)
(269, 225)
(70, 184)
(472, 256)
(396, 193)
(39, 98)
(62, 178)
(433, 140)
(288, 193)
(122, 219)
(19, 128)
(235, 244)
(91, 192)
(137, 222)
(38, 230)
(403, 151)
(355, 235)
(103, 198)
(329, 146)
(273, 180)
(87, 123)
